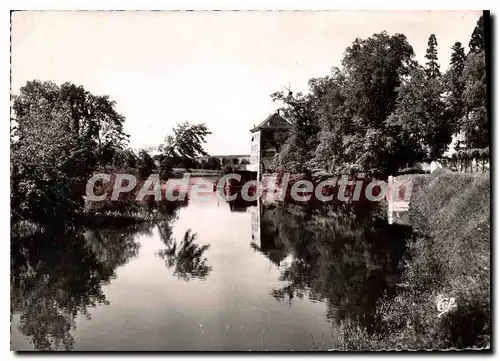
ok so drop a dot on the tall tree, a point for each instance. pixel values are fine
(477, 41)
(299, 109)
(455, 85)
(375, 69)
(476, 123)
(474, 95)
(432, 66)
(422, 118)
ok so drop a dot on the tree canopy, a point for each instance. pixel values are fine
(381, 111)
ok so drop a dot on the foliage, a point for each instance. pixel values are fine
(448, 256)
(340, 125)
(182, 147)
(145, 165)
(61, 133)
(382, 111)
(431, 66)
(474, 78)
(212, 163)
(455, 83)
(421, 118)
(477, 42)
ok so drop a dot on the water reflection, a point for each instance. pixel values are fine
(347, 262)
(186, 258)
(343, 260)
(57, 276)
(240, 205)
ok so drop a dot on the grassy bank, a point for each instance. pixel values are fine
(448, 255)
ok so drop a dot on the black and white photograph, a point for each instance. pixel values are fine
(250, 181)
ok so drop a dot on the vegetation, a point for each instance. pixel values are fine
(182, 147)
(449, 256)
(61, 135)
(382, 111)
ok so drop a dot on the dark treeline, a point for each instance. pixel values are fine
(61, 135)
(381, 111)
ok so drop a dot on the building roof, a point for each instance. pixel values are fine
(274, 121)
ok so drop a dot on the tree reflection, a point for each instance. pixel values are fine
(185, 258)
(57, 276)
(345, 261)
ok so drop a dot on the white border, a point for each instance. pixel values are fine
(191, 5)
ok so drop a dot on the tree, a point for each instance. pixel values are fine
(245, 161)
(421, 118)
(340, 125)
(329, 153)
(432, 66)
(476, 123)
(301, 140)
(183, 146)
(477, 41)
(213, 163)
(236, 161)
(455, 85)
(374, 70)
(60, 134)
(145, 164)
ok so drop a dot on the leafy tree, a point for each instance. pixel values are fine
(340, 125)
(245, 161)
(302, 136)
(60, 134)
(213, 163)
(183, 146)
(421, 117)
(329, 154)
(374, 70)
(236, 161)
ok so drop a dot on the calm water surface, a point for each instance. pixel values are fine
(211, 276)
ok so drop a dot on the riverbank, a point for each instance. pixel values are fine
(447, 257)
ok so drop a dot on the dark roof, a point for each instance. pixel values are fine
(274, 121)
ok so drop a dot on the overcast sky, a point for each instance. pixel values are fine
(214, 67)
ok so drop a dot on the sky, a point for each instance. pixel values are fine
(163, 68)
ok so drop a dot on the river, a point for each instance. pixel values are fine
(211, 276)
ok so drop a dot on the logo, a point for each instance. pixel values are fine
(445, 304)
